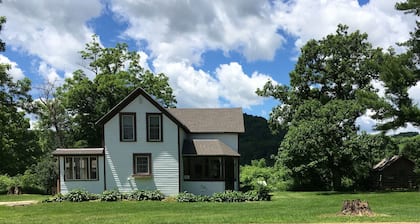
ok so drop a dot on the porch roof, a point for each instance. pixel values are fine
(78, 151)
(207, 147)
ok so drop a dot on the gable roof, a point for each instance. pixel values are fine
(207, 147)
(217, 120)
(388, 161)
(133, 95)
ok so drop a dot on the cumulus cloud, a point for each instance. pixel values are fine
(197, 88)
(309, 19)
(14, 71)
(50, 74)
(239, 88)
(414, 94)
(52, 30)
(183, 30)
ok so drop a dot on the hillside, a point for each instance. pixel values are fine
(257, 142)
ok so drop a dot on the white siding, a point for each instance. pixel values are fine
(203, 187)
(92, 186)
(119, 155)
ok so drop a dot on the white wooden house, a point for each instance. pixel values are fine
(148, 147)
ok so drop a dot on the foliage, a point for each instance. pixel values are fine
(144, 195)
(400, 72)
(259, 174)
(18, 148)
(261, 194)
(110, 195)
(77, 195)
(5, 183)
(258, 142)
(187, 197)
(320, 107)
(117, 72)
(409, 148)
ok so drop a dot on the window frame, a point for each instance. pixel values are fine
(149, 164)
(205, 161)
(148, 135)
(88, 167)
(122, 139)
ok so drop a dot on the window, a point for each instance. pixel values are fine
(81, 168)
(128, 127)
(203, 168)
(154, 127)
(142, 164)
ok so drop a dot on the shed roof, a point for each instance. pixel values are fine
(387, 162)
(211, 120)
(207, 147)
(78, 151)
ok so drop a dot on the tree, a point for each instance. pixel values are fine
(320, 107)
(399, 73)
(117, 72)
(18, 148)
(53, 121)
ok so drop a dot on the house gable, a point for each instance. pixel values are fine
(132, 96)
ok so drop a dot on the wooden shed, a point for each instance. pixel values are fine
(395, 172)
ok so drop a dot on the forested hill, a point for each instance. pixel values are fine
(257, 142)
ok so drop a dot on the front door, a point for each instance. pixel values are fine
(229, 173)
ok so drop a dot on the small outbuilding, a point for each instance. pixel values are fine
(395, 172)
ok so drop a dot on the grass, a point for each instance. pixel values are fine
(286, 207)
(22, 197)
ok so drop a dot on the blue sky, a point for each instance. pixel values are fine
(216, 53)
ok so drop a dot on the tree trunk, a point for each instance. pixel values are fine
(356, 207)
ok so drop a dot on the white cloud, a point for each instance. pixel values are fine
(366, 123)
(182, 30)
(15, 72)
(237, 87)
(193, 88)
(196, 88)
(414, 93)
(50, 74)
(312, 19)
(52, 30)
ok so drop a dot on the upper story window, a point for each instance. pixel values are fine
(81, 168)
(154, 127)
(128, 127)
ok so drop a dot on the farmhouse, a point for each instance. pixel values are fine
(148, 147)
(394, 172)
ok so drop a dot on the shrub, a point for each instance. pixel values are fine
(142, 195)
(5, 183)
(229, 196)
(186, 197)
(77, 195)
(110, 195)
(56, 198)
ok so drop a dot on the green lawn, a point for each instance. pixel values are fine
(286, 207)
(22, 197)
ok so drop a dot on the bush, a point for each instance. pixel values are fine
(5, 183)
(78, 195)
(186, 197)
(142, 195)
(227, 196)
(111, 195)
(55, 198)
